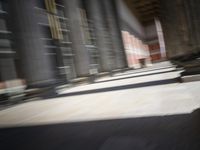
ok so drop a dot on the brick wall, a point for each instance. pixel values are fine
(135, 50)
(154, 50)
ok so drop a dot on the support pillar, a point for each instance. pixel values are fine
(192, 10)
(95, 13)
(160, 38)
(35, 65)
(82, 61)
(115, 34)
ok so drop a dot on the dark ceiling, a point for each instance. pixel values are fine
(145, 10)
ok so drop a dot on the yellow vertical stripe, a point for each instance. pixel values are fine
(53, 4)
(53, 20)
(47, 5)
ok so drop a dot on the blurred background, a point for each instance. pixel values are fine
(125, 58)
(54, 42)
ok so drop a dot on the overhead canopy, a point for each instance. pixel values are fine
(145, 10)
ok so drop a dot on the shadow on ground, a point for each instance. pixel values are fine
(143, 70)
(134, 76)
(121, 87)
(175, 132)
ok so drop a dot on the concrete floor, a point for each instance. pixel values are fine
(126, 95)
(144, 109)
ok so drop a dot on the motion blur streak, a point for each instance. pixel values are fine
(99, 74)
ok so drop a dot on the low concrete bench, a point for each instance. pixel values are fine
(12, 90)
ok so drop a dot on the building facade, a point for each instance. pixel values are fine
(45, 42)
(50, 41)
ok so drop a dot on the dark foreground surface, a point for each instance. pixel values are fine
(175, 132)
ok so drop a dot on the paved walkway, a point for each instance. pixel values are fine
(135, 110)
(147, 92)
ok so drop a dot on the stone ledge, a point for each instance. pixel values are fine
(190, 78)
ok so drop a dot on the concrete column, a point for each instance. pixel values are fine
(192, 10)
(95, 13)
(7, 60)
(35, 65)
(115, 33)
(160, 38)
(82, 61)
(180, 20)
(7, 69)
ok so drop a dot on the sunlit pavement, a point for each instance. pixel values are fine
(127, 95)
(136, 110)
